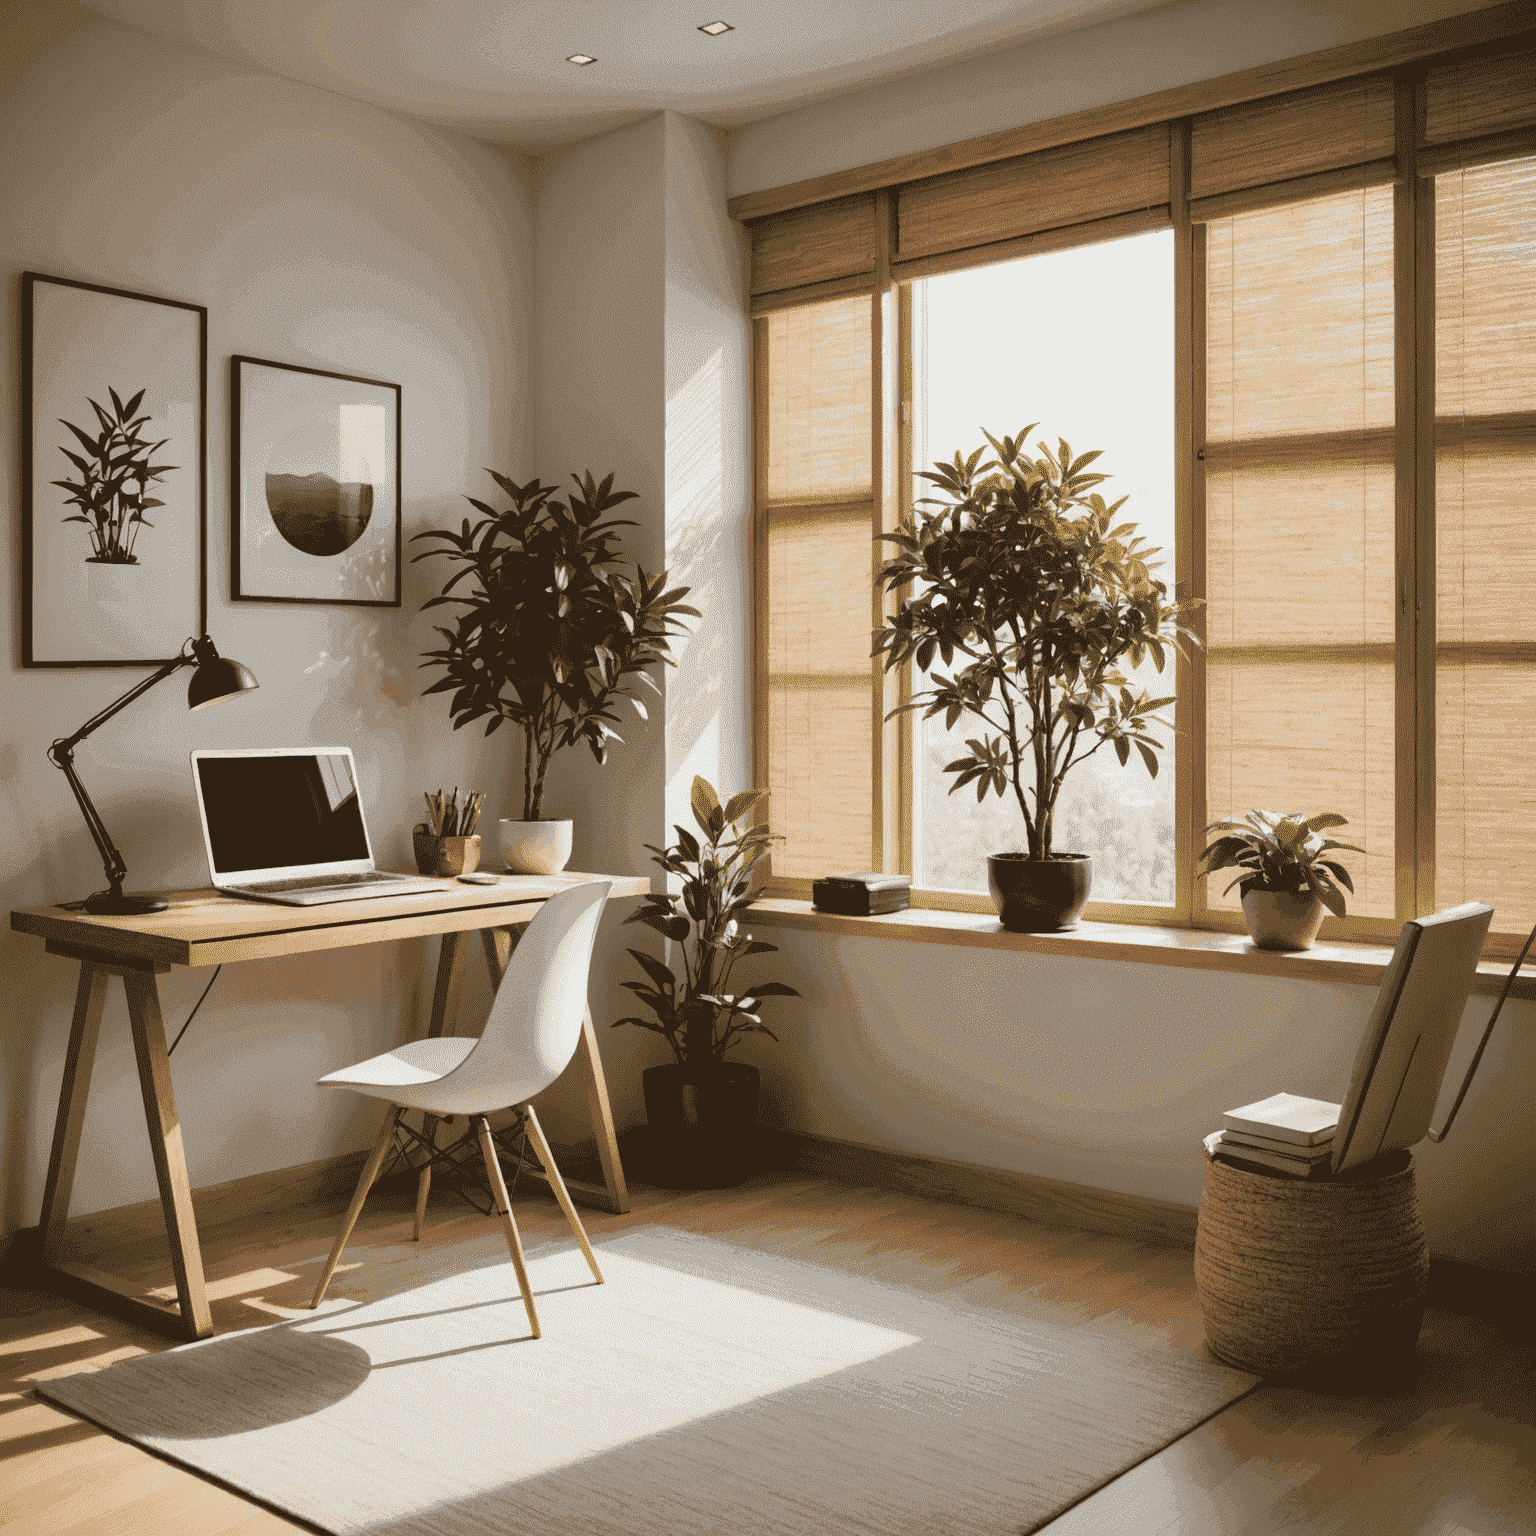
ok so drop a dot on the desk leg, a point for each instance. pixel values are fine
(165, 1143)
(590, 1065)
(445, 1017)
(90, 997)
(450, 983)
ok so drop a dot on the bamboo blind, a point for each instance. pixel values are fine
(1301, 133)
(813, 252)
(1300, 494)
(1485, 518)
(819, 402)
(820, 564)
(1072, 184)
(1481, 95)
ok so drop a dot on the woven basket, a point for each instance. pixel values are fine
(1296, 1276)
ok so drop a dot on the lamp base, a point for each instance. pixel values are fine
(116, 904)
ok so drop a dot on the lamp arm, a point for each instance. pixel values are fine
(67, 744)
(62, 755)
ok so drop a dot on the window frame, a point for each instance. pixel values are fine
(1413, 452)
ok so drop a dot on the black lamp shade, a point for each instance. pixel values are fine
(216, 679)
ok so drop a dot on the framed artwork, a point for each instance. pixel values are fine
(114, 395)
(314, 486)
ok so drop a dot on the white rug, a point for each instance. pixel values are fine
(705, 1389)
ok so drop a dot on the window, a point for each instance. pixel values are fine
(1080, 341)
(1303, 329)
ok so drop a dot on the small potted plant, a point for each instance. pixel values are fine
(551, 634)
(701, 1108)
(1022, 571)
(1286, 878)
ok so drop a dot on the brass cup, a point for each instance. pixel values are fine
(446, 856)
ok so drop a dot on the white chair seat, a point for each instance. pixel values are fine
(417, 1063)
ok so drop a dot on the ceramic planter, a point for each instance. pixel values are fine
(1282, 919)
(1039, 895)
(536, 847)
(703, 1123)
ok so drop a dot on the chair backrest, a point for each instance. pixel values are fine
(536, 1017)
(1402, 1056)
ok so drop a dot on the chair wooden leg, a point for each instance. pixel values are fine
(504, 1210)
(557, 1184)
(364, 1184)
(424, 1178)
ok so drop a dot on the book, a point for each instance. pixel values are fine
(1313, 1153)
(1286, 1117)
(1256, 1160)
(862, 894)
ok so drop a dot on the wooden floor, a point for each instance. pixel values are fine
(1454, 1456)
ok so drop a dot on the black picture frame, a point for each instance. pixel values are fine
(142, 589)
(314, 460)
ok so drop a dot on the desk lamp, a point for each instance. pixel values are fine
(215, 679)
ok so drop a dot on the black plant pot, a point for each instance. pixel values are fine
(1039, 895)
(703, 1124)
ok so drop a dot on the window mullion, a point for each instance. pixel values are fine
(1189, 526)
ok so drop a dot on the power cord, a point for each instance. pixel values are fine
(195, 1006)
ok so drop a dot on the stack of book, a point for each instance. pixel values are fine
(1284, 1133)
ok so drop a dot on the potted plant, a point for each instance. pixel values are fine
(701, 1108)
(1021, 570)
(1286, 879)
(551, 634)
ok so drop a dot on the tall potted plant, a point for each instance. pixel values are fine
(701, 1108)
(551, 633)
(1021, 570)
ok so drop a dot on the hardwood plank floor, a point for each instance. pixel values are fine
(1455, 1455)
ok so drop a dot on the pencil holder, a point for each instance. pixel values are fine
(445, 856)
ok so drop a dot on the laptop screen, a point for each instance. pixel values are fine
(277, 810)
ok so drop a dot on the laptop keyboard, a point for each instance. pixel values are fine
(321, 882)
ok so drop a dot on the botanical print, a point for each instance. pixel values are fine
(115, 475)
(113, 480)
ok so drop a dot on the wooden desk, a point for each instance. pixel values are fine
(207, 928)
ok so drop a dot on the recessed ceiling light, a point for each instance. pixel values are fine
(715, 28)
(580, 58)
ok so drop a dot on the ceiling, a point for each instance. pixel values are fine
(497, 68)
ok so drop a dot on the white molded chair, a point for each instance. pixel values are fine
(530, 1037)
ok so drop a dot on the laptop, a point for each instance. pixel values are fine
(286, 824)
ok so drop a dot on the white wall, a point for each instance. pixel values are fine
(709, 478)
(1109, 1074)
(1176, 44)
(321, 232)
(641, 362)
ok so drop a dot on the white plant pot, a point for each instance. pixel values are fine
(536, 847)
(1282, 919)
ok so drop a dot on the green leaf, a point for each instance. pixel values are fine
(705, 803)
(660, 973)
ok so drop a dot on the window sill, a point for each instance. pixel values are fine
(1192, 948)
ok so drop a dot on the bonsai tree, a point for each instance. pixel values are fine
(551, 632)
(700, 1017)
(1282, 853)
(115, 476)
(1021, 571)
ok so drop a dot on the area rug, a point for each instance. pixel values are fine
(704, 1389)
